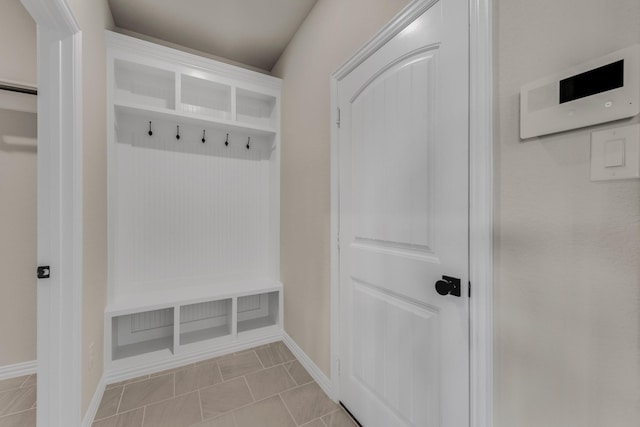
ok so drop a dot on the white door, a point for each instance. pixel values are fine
(403, 156)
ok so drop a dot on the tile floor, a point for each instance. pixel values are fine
(18, 402)
(262, 387)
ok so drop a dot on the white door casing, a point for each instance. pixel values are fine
(403, 218)
(59, 306)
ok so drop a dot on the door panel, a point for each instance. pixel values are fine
(404, 224)
(394, 208)
(386, 326)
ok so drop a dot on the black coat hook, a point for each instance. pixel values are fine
(203, 140)
(226, 143)
(177, 131)
(150, 131)
(248, 142)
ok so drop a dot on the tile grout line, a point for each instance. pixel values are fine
(15, 413)
(259, 359)
(200, 403)
(219, 371)
(249, 388)
(119, 400)
(144, 414)
(25, 381)
(287, 408)
(291, 376)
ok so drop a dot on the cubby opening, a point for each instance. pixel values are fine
(258, 311)
(142, 333)
(206, 98)
(143, 85)
(255, 108)
(205, 321)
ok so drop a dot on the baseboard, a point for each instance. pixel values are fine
(117, 374)
(18, 370)
(92, 410)
(316, 373)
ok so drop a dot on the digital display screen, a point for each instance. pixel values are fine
(593, 81)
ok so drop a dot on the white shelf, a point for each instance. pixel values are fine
(164, 345)
(260, 322)
(204, 335)
(182, 118)
(189, 291)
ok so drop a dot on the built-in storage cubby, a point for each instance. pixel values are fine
(147, 327)
(143, 85)
(206, 98)
(142, 333)
(256, 108)
(257, 311)
(205, 320)
(194, 206)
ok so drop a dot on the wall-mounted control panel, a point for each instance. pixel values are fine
(598, 91)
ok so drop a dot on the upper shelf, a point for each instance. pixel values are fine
(154, 113)
(156, 92)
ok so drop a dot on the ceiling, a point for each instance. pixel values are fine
(251, 32)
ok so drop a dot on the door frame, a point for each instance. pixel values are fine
(480, 199)
(59, 310)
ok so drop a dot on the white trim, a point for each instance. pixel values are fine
(481, 213)
(316, 373)
(18, 369)
(389, 31)
(59, 212)
(480, 192)
(334, 242)
(94, 404)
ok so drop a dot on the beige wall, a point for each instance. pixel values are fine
(567, 306)
(17, 43)
(17, 192)
(331, 34)
(94, 16)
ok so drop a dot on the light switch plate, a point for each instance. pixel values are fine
(615, 153)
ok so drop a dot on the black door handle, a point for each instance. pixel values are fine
(44, 271)
(448, 286)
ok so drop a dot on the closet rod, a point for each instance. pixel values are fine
(20, 89)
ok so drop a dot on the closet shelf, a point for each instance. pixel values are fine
(185, 118)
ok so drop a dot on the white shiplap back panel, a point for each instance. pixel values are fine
(204, 310)
(187, 209)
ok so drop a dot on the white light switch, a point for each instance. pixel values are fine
(615, 153)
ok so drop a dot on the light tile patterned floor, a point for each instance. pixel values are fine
(262, 387)
(18, 402)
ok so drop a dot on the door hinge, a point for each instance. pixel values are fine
(469, 289)
(44, 272)
(338, 121)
